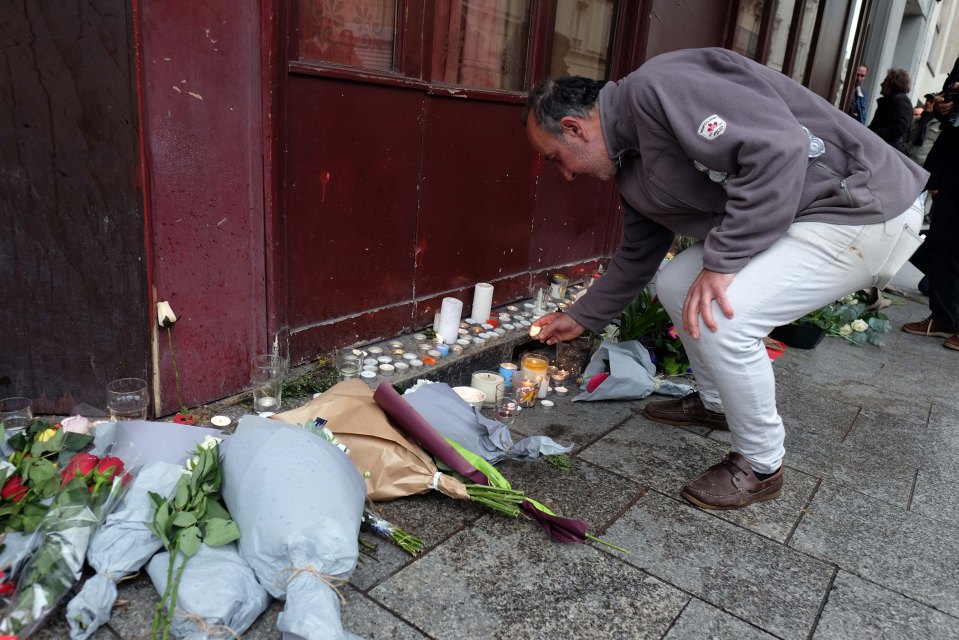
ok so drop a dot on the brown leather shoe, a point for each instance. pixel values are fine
(732, 484)
(930, 327)
(952, 342)
(688, 410)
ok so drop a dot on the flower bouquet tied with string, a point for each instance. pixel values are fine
(298, 501)
(193, 515)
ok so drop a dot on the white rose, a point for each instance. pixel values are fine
(76, 424)
(165, 315)
(845, 330)
(209, 442)
(859, 325)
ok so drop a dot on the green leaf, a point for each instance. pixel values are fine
(182, 497)
(75, 441)
(220, 532)
(188, 541)
(214, 509)
(39, 471)
(184, 519)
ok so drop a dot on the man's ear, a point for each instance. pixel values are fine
(573, 126)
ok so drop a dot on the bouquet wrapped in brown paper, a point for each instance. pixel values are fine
(392, 465)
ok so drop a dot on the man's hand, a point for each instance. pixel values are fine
(557, 327)
(708, 286)
(940, 105)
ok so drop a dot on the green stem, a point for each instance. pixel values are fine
(170, 611)
(408, 543)
(176, 370)
(158, 614)
(590, 536)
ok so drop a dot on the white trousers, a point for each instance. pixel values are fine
(814, 264)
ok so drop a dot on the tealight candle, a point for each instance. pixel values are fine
(423, 347)
(456, 349)
(429, 361)
(433, 353)
(443, 349)
(419, 337)
(397, 353)
(499, 331)
(371, 367)
(547, 404)
(387, 369)
(401, 367)
(560, 391)
(416, 363)
(375, 351)
(479, 340)
(367, 375)
(372, 361)
(384, 359)
(409, 356)
(396, 344)
(463, 342)
(512, 308)
(509, 326)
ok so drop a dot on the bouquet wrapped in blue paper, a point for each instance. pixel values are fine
(298, 501)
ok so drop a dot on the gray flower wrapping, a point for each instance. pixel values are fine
(632, 375)
(298, 501)
(120, 547)
(218, 593)
(454, 418)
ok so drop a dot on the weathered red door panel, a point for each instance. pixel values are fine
(476, 195)
(352, 169)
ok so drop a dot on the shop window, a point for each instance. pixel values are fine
(481, 43)
(804, 44)
(581, 38)
(779, 38)
(748, 25)
(358, 33)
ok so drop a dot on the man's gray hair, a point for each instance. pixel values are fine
(557, 98)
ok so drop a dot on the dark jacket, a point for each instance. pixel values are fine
(715, 146)
(943, 160)
(893, 119)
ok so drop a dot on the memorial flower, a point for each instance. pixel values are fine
(89, 492)
(192, 516)
(849, 319)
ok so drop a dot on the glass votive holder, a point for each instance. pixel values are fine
(525, 388)
(16, 413)
(535, 363)
(348, 366)
(506, 410)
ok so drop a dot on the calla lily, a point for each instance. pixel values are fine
(165, 315)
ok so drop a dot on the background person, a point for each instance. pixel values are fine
(893, 115)
(858, 104)
(796, 205)
(938, 257)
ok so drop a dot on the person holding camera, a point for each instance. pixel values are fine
(794, 204)
(938, 257)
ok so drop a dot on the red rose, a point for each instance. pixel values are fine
(80, 465)
(595, 381)
(109, 467)
(7, 589)
(13, 489)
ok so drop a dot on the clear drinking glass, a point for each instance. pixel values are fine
(506, 410)
(266, 377)
(16, 413)
(127, 399)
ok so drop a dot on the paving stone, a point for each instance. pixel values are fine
(56, 627)
(134, 618)
(578, 422)
(859, 609)
(807, 407)
(657, 455)
(894, 548)
(366, 619)
(585, 492)
(765, 583)
(701, 620)
(935, 494)
(504, 580)
(431, 517)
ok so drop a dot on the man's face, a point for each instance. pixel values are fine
(579, 151)
(860, 75)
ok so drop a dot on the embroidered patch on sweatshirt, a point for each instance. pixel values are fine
(712, 127)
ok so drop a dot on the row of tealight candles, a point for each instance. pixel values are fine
(401, 356)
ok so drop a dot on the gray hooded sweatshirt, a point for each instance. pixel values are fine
(716, 146)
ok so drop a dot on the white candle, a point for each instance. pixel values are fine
(450, 314)
(482, 302)
(486, 382)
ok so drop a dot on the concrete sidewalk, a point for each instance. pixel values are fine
(864, 542)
